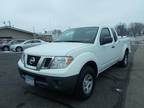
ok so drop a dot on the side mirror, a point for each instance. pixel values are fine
(105, 40)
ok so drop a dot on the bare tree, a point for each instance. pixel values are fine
(136, 29)
(121, 29)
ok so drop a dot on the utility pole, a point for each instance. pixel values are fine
(34, 32)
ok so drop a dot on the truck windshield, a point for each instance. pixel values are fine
(82, 35)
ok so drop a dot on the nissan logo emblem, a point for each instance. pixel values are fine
(32, 60)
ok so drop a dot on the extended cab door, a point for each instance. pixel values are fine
(106, 48)
(117, 50)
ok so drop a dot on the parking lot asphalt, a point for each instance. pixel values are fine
(109, 92)
(135, 91)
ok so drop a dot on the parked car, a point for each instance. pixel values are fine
(5, 46)
(73, 62)
(26, 44)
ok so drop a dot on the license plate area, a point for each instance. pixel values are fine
(29, 80)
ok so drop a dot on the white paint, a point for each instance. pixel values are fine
(104, 56)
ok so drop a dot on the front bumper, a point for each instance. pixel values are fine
(53, 83)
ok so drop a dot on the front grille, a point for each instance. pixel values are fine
(33, 60)
(47, 62)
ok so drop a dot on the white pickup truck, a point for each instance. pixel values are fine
(73, 62)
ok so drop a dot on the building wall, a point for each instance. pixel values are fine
(15, 34)
(47, 38)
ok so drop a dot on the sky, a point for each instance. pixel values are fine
(41, 15)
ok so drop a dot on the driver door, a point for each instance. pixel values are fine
(105, 48)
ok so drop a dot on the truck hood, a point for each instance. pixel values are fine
(54, 49)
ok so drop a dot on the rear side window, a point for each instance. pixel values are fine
(28, 42)
(36, 41)
(114, 34)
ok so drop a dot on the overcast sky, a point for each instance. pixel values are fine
(62, 14)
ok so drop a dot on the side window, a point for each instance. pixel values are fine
(36, 41)
(105, 36)
(114, 34)
(28, 42)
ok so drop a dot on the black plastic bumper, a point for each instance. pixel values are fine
(53, 83)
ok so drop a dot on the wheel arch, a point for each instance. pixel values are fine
(5, 47)
(18, 47)
(93, 65)
(127, 50)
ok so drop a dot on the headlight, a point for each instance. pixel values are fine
(60, 62)
(23, 58)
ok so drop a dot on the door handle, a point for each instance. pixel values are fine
(113, 47)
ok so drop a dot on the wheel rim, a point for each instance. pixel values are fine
(5, 49)
(126, 60)
(87, 84)
(19, 49)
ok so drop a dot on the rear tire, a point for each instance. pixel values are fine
(19, 49)
(124, 62)
(6, 48)
(86, 83)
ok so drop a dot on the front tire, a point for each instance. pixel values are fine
(86, 83)
(19, 49)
